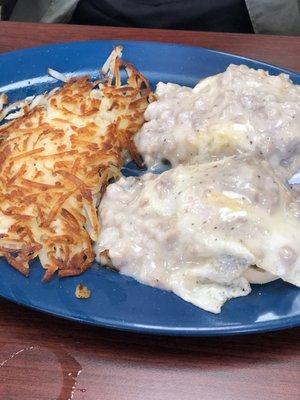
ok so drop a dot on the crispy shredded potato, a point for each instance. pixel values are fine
(55, 162)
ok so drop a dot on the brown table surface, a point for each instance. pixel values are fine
(46, 358)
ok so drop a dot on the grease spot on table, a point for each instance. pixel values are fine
(37, 372)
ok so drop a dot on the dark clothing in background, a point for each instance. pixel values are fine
(204, 15)
(6, 8)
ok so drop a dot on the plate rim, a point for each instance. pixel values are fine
(258, 328)
(148, 42)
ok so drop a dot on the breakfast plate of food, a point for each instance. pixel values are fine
(150, 187)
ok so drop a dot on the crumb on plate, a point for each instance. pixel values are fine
(82, 292)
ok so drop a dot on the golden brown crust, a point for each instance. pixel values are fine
(55, 162)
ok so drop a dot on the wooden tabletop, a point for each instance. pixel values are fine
(46, 358)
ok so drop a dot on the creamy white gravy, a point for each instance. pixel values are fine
(241, 110)
(196, 230)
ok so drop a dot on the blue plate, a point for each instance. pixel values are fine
(117, 301)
